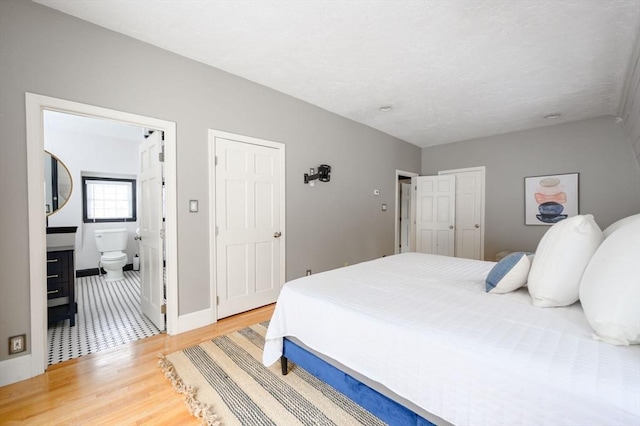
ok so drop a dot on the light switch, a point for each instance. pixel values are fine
(384, 207)
(193, 206)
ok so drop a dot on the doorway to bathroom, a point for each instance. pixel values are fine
(104, 143)
(115, 203)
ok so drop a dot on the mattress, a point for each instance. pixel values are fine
(423, 326)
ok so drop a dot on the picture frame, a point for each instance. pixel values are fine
(549, 199)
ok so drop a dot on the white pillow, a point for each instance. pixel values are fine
(619, 224)
(610, 287)
(509, 274)
(561, 257)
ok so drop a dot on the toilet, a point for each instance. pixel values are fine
(112, 243)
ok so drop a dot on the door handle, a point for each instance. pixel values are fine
(138, 237)
(450, 226)
(277, 234)
(477, 226)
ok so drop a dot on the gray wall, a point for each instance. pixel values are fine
(598, 149)
(46, 52)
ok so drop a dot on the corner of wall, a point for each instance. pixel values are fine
(629, 110)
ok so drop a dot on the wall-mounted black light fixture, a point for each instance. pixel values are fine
(323, 174)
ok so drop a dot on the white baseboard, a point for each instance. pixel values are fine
(15, 369)
(195, 320)
(19, 368)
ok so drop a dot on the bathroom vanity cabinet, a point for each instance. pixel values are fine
(61, 275)
(61, 298)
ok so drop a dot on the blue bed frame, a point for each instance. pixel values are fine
(383, 407)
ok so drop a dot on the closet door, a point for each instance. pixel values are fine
(435, 214)
(469, 222)
(249, 223)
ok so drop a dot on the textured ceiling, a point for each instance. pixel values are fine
(451, 69)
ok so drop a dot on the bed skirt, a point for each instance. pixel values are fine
(382, 406)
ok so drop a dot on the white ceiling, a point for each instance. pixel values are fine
(451, 69)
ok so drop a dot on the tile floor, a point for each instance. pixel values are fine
(108, 316)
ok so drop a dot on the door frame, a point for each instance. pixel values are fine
(213, 134)
(482, 170)
(35, 105)
(396, 249)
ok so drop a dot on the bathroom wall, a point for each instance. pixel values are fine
(95, 146)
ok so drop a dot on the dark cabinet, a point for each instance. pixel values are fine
(61, 285)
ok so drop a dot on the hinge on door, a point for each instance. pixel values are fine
(215, 160)
(216, 230)
(163, 309)
(161, 157)
(149, 132)
(217, 300)
(162, 233)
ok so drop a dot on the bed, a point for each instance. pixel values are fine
(422, 328)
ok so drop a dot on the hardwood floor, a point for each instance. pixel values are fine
(123, 385)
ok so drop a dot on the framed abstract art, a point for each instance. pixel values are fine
(550, 199)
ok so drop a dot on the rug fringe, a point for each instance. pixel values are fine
(197, 408)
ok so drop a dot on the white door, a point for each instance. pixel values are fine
(249, 218)
(150, 214)
(405, 217)
(435, 214)
(469, 212)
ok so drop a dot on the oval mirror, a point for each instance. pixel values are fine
(58, 183)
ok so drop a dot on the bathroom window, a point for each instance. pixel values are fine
(108, 199)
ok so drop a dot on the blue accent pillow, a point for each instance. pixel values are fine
(509, 274)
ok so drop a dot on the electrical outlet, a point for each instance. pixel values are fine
(17, 344)
(308, 272)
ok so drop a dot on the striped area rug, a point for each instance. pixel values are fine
(225, 383)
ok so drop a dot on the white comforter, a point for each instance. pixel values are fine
(423, 326)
